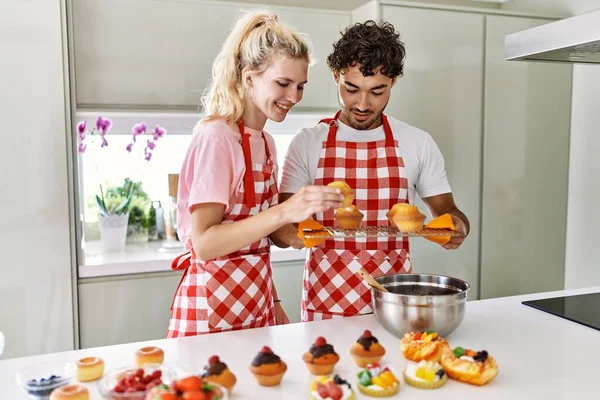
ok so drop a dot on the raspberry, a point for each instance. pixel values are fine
(320, 341)
(367, 334)
(266, 349)
(213, 360)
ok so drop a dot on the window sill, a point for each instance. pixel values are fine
(150, 257)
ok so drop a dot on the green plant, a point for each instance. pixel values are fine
(114, 203)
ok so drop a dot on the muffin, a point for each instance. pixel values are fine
(268, 368)
(377, 382)
(425, 375)
(366, 350)
(216, 371)
(348, 217)
(321, 357)
(406, 217)
(469, 366)
(345, 190)
(418, 346)
(331, 388)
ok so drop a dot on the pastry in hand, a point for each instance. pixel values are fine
(217, 371)
(377, 382)
(406, 217)
(348, 217)
(268, 368)
(321, 357)
(345, 190)
(367, 350)
(418, 346)
(425, 375)
(469, 366)
(331, 388)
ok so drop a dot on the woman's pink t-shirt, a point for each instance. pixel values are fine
(213, 169)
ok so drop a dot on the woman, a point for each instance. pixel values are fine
(227, 199)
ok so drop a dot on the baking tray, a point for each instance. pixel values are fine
(374, 231)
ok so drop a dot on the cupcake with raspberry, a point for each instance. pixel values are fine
(367, 350)
(268, 368)
(217, 371)
(321, 357)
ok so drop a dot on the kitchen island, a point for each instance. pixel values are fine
(540, 356)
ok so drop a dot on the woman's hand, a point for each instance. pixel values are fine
(281, 317)
(310, 200)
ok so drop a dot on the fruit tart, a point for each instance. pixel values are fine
(268, 368)
(367, 350)
(469, 366)
(331, 388)
(321, 357)
(428, 346)
(377, 382)
(191, 387)
(217, 371)
(425, 375)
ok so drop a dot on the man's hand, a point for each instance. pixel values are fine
(456, 241)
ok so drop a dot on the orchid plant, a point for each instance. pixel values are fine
(103, 125)
(140, 129)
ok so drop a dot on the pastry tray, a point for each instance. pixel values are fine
(374, 231)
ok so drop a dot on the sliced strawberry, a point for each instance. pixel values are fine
(335, 392)
(322, 390)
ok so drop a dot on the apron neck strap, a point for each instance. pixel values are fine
(249, 193)
(333, 124)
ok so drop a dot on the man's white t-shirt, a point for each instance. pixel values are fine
(423, 160)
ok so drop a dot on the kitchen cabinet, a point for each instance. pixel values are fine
(159, 54)
(441, 93)
(125, 309)
(525, 168)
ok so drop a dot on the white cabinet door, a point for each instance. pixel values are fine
(441, 93)
(526, 148)
(136, 53)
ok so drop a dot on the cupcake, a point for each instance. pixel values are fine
(345, 190)
(331, 388)
(321, 357)
(366, 350)
(406, 217)
(425, 375)
(469, 366)
(428, 346)
(348, 217)
(268, 368)
(216, 371)
(377, 382)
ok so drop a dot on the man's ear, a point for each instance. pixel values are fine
(336, 78)
(393, 82)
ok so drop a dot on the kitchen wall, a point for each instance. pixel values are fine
(566, 7)
(36, 302)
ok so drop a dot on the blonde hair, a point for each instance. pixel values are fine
(256, 39)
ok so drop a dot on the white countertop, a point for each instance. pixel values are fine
(148, 257)
(540, 356)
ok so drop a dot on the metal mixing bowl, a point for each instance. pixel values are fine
(420, 302)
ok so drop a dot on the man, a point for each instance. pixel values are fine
(383, 159)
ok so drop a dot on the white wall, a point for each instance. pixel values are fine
(567, 7)
(35, 272)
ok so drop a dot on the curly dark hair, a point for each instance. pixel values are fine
(371, 45)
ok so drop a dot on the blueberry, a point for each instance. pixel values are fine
(440, 373)
(481, 356)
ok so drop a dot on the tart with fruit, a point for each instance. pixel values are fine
(425, 375)
(217, 371)
(331, 388)
(321, 357)
(377, 382)
(418, 346)
(469, 366)
(367, 350)
(191, 387)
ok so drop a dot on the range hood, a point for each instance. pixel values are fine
(572, 40)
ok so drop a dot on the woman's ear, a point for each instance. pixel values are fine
(247, 77)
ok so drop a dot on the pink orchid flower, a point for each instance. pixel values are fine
(81, 147)
(159, 132)
(129, 147)
(139, 129)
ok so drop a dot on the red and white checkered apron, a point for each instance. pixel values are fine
(331, 286)
(232, 292)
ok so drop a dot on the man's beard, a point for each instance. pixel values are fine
(361, 125)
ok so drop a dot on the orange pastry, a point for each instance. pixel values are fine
(367, 350)
(217, 371)
(406, 217)
(321, 357)
(268, 368)
(345, 190)
(464, 365)
(418, 346)
(149, 355)
(348, 217)
(89, 369)
(70, 392)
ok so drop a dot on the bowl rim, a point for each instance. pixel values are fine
(462, 291)
(67, 368)
(102, 385)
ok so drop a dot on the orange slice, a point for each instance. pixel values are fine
(314, 225)
(442, 222)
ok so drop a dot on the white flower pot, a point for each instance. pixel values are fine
(113, 231)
